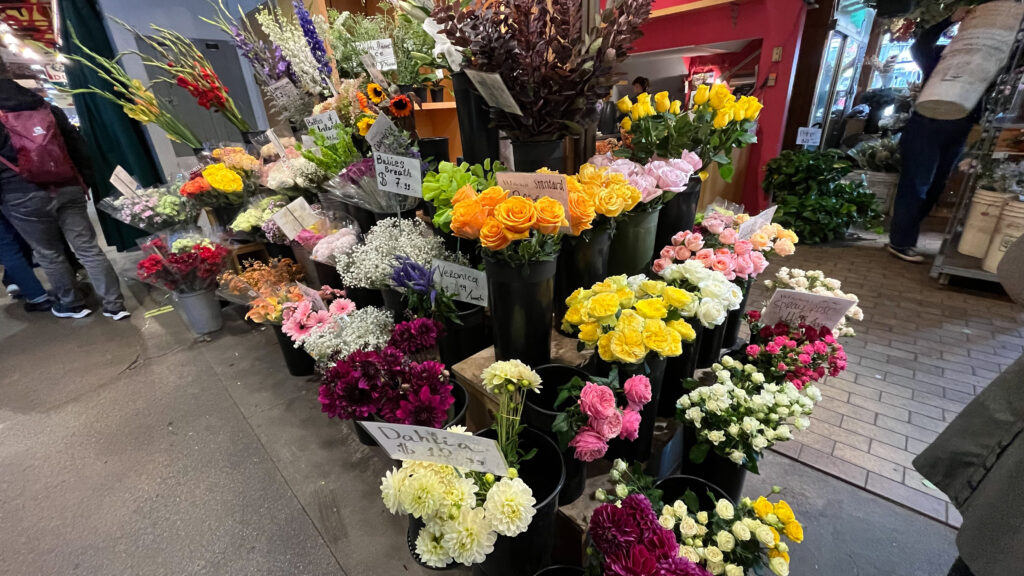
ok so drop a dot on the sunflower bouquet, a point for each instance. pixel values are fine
(626, 319)
(512, 229)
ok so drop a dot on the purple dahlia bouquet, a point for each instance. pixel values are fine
(629, 541)
(387, 384)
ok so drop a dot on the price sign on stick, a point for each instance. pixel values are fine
(465, 284)
(816, 310)
(748, 228)
(382, 128)
(295, 217)
(325, 124)
(282, 92)
(534, 186)
(493, 89)
(403, 442)
(382, 52)
(124, 182)
(278, 146)
(399, 174)
(808, 136)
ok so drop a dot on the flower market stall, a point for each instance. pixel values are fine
(554, 313)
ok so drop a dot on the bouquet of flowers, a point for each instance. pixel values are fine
(330, 246)
(277, 304)
(628, 540)
(464, 512)
(716, 124)
(713, 294)
(371, 264)
(628, 318)
(743, 412)
(732, 540)
(597, 195)
(815, 282)
(440, 186)
(422, 297)
(658, 180)
(513, 229)
(325, 337)
(594, 418)
(257, 213)
(357, 184)
(292, 37)
(256, 278)
(799, 354)
(152, 210)
(387, 384)
(189, 264)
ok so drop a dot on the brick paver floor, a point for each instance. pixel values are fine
(922, 352)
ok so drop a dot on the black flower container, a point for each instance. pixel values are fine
(633, 243)
(533, 155)
(715, 469)
(735, 318)
(677, 215)
(479, 137)
(582, 262)
(674, 488)
(709, 350)
(677, 370)
(521, 299)
(544, 474)
(393, 303)
(456, 414)
(299, 363)
(363, 297)
(638, 450)
(539, 413)
(460, 341)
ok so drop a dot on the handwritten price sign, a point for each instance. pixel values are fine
(326, 124)
(403, 442)
(464, 284)
(816, 310)
(399, 174)
(382, 52)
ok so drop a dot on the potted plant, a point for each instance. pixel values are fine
(187, 266)
(813, 200)
(635, 324)
(556, 83)
(393, 384)
(519, 241)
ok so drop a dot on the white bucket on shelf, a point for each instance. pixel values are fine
(1009, 228)
(981, 222)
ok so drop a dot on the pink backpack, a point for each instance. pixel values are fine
(42, 156)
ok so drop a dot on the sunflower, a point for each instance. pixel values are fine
(364, 124)
(401, 106)
(375, 92)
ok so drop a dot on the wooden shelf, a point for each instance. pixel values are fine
(436, 106)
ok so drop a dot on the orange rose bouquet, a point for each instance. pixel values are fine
(513, 229)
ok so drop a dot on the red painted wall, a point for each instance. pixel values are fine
(777, 23)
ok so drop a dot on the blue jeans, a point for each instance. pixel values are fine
(929, 148)
(17, 268)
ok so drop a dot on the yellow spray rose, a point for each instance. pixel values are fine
(722, 118)
(702, 94)
(662, 102)
(683, 328)
(676, 297)
(651, 308)
(653, 287)
(762, 507)
(626, 345)
(222, 179)
(794, 531)
(590, 333)
(661, 339)
(784, 512)
(720, 96)
(603, 305)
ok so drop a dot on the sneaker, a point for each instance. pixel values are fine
(41, 304)
(14, 291)
(905, 254)
(64, 311)
(117, 314)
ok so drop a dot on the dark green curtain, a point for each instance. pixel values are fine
(114, 138)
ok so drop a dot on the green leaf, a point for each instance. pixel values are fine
(691, 501)
(699, 452)
(726, 171)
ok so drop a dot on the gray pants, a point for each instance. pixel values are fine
(40, 217)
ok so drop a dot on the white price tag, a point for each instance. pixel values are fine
(463, 283)
(205, 222)
(404, 442)
(308, 143)
(295, 218)
(123, 181)
(325, 124)
(493, 89)
(748, 228)
(808, 136)
(382, 127)
(793, 307)
(282, 92)
(382, 52)
(399, 174)
(534, 186)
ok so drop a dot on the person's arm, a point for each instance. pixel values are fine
(77, 148)
(923, 49)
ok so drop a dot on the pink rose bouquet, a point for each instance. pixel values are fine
(596, 417)
(658, 181)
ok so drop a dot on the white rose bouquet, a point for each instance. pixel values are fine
(716, 295)
(742, 414)
(815, 282)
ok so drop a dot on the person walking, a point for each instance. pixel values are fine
(977, 460)
(19, 279)
(44, 171)
(929, 149)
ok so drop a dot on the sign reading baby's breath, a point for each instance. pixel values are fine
(404, 442)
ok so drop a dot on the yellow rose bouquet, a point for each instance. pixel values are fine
(717, 123)
(626, 319)
(597, 196)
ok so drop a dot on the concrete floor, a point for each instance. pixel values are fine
(132, 449)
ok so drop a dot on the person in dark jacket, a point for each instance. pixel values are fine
(978, 459)
(45, 217)
(929, 149)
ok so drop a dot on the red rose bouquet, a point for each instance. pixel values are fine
(190, 264)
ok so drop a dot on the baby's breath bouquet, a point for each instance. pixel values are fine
(463, 512)
(371, 264)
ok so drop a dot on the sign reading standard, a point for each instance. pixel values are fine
(404, 442)
(533, 186)
(399, 174)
